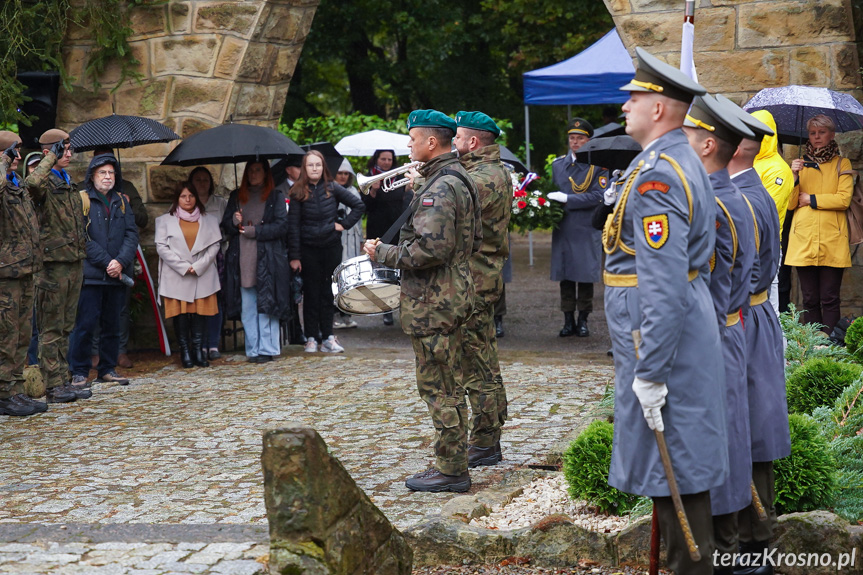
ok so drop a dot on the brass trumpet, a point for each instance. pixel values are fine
(365, 182)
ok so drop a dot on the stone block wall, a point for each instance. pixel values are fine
(742, 46)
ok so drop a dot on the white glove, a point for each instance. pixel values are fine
(557, 197)
(651, 396)
(609, 196)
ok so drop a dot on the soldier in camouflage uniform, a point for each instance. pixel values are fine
(20, 258)
(480, 157)
(437, 290)
(61, 225)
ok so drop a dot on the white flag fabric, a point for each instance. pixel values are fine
(687, 61)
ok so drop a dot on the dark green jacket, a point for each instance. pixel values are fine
(20, 253)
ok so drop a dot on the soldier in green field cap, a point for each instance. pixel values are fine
(480, 156)
(58, 285)
(437, 291)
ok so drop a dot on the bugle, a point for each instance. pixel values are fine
(365, 182)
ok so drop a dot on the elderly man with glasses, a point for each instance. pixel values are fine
(112, 239)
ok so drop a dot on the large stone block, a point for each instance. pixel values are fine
(657, 6)
(230, 57)
(226, 17)
(205, 96)
(284, 64)
(282, 25)
(161, 181)
(148, 21)
(320, 521)
(113, 69)
(80, 105)
(254, 61)
(810, 66)
(192, 126)
(661, 32)
(179, 17)
(751, 71)
(846, 66)
(143, 100)
(618, 7)
(819, 532)
(190, 55)
(765, 24)
(253, 101)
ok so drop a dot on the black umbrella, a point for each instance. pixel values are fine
(507, 157)
(232, 143)
(613, 153)
(117, 131)
(608, 130)
(332, 158)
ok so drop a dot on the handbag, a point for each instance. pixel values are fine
(855, 209)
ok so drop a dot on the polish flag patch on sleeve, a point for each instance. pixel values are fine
(655, 230)
(428, 202)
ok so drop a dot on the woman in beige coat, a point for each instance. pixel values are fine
(818, 242)
(187, 241)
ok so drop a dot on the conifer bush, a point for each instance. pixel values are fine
(854, 339)
(585, 467)
(818, 382)
(806, 479)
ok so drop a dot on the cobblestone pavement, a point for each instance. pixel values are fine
(163, 476)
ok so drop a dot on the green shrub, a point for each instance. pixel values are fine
(818, 382)
(842, 426)
(805, 341)
(806, 479)
(854, 338)
(585, 467)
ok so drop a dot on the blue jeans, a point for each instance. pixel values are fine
(99, 305)
(261, 330)
(213, 335)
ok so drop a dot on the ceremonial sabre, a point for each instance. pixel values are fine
(694, 553)
(756, 502)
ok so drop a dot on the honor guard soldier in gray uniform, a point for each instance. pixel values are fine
(480, 157)
(765, 365)
(576, 253)
(437, 291)
(669, 375)
(61, 224)
(20, 258)
(714, 132)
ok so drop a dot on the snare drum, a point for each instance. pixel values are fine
(364, 287)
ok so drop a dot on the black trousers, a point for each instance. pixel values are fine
(576, 296)
(318, 266)
(820, 287)
(697, 507)
(750, 526)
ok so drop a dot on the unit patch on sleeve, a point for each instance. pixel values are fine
(655, 230)
(427, 202)
(653, 185)
(779, 181)
(603, 182)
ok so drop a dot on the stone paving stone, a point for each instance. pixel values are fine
(182, 448)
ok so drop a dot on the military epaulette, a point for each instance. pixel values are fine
(650, 162)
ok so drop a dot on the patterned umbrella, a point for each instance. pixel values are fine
(232, 143)
(793, 106)
(117, 131)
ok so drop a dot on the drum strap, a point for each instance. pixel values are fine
(397, 225)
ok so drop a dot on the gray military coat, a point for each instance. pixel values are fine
(765, 366)
(664, 329)
(576, 254)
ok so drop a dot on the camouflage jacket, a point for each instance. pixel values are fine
(434, 249)
(61, 213)
(494, 186)
(20, 254)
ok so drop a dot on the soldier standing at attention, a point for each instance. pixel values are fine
(765, 363)
(576, 254)
(714, 132)
(61, 226)
(437, 292)
(480, 157)
(20, 258)
(668, 364)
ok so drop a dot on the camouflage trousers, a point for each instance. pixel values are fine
(439, 382)
(58, 287)
(482, 379)
(16, 329)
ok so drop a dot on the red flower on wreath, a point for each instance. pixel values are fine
(541, 201)
(520, 194)
(522, 204)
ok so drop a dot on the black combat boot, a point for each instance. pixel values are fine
(435, 481)
(568, 324)
(61, 394)
(181, 330)
(24, 399)
(498, 326)
(477, 456)
(9, 406)
(199, 324)
(581, 327)
(751, 560)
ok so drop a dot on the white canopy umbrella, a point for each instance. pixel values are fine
(367, 143)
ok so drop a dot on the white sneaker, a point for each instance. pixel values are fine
(331, 345)
(349, 322)
(311, 345)
(338, 324)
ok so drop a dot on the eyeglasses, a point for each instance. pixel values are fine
(105, 174)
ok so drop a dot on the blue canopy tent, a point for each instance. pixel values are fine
(593, 76)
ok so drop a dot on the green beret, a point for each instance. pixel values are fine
(580, 126)
(476, 121)
(430, 119)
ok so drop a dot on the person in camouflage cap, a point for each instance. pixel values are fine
(480, 157)
(437, 291)
(61, 223)
(20, 258)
